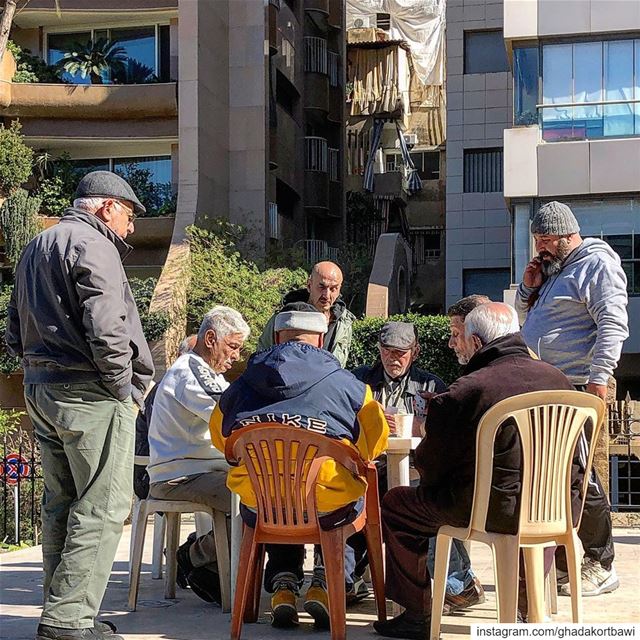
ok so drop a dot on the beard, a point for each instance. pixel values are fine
(552, 265)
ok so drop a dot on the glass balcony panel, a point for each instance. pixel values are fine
(59, 43)
(526, 71)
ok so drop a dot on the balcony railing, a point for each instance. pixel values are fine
(318, 250)
(315, 55)
(334, 68)
(587, 120)
(316, 154)
(334, 165)
(274, 222)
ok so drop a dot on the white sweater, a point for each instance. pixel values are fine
(179, 440)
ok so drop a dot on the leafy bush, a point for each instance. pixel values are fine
(8, 364)
(219, 275)
(30, 68)
(433, 335)
(157, 197)
(19, 223)
(16, 159)
(154, 324)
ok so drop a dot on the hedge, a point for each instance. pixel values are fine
(433, 335)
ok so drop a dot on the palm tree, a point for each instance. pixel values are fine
(94, 59)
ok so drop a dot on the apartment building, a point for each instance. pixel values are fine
(236, 106)
(576, 132)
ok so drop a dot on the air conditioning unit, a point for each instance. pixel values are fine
(365, 22)
(410, 139)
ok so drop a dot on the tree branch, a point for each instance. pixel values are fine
(5, 24)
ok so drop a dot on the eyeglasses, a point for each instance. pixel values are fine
(131, 215)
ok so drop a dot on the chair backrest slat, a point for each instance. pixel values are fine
(549, 425)
(283, 463)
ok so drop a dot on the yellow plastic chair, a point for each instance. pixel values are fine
(550, 424)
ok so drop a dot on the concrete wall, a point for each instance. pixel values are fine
(479, 108)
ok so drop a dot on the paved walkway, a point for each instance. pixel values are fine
(188, 618)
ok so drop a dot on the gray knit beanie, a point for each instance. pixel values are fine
(554, 219)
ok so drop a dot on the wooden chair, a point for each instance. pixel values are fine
(283, 464)
(172, 510)
(549, 424)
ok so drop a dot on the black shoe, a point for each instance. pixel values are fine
(47, 632)
(402, 627)
(357, 591)
(205, 584)
(105, 627)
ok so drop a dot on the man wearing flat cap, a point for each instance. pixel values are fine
(572, 304)
(297, 382)
(73, 321)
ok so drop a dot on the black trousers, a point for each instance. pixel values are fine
(595, 530)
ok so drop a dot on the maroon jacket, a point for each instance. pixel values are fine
(446, 456)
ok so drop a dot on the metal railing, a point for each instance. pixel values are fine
(316, 154)
(624, 458)
(315, 55)
(317, 250)
(334, 165)
(274, 222)
(334, 68)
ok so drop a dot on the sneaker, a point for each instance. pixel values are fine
(47, 632)
(595, 579)
(105, 627)
(357, 591)
(473, 594)
(283, 604)
(316, 603)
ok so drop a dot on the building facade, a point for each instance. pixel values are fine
(233, 107)
(576, 132)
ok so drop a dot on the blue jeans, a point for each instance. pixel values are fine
(460, 574)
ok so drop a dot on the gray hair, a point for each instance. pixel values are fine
(89, 203)
(490, 321)
(185, 345)
(224, 321)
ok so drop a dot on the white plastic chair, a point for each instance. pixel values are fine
(172, 510)
(549, 424)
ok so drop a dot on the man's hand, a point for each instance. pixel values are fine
(532, 276)
(391, 419)
(599, 390)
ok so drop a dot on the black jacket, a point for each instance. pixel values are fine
(72, 317)
(446, 456)
(419, 380)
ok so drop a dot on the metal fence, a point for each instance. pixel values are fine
(315, 55)
(316, 154)
(624, 457)
(22, 487)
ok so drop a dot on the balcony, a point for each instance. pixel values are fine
(316, 174)
(336, 14)
(389, 184)
(317, 6)
(84, 102)
(316, 79)
(272, 13)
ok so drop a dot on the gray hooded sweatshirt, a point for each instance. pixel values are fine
(579, 320)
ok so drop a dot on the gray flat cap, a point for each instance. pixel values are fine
(398, 335)
(108, 185)
(554, 219)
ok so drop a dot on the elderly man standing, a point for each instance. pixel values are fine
(323, 292)
(572, 304)
(182, 463)
(498, 366)
(73, 320)
(297, 382)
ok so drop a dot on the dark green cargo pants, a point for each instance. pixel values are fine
(86, 441)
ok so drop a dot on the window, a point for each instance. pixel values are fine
(150, 177)
(425, 245)
(427, 164)
(484, 52)
(144, 61)
(487, 282)
(590, 90)
(393, 162)
(525, 81)
(482, 170)
(383, 21)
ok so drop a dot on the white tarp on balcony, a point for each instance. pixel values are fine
(420, 23)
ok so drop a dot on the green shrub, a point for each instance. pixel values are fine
(30, 68)
(433, 335)
(16, 159)
(154, 324)
(8, 364)
(219, 275)
(19, 223)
